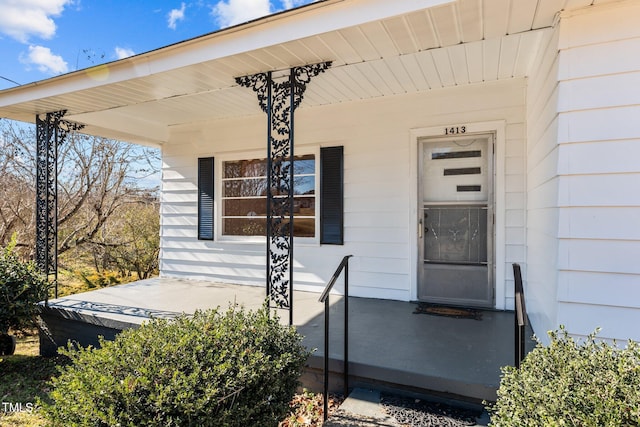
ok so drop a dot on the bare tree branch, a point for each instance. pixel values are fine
(97, 177)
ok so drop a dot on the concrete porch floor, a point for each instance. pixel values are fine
(390, 346)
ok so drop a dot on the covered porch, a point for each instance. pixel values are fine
(385, 80)
(455, 357)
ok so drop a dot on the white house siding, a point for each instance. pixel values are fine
(380, 188)
(540, 272)
(599, 171)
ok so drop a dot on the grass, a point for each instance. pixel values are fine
(74, 281)
(24, 380)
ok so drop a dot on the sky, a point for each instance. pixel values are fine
(44, 38)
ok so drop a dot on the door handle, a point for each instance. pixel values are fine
(420, 228)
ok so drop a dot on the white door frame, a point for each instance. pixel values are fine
(498, 129)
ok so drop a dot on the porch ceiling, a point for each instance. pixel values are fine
(454, 44)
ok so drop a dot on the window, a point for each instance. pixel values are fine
(244, 196)
(205, 198)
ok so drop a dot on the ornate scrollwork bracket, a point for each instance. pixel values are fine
(51, 132)
(279, 100)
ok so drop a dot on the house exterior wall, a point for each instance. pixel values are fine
(380, 188)
(583, 203)
(599, 171)
(541, 271)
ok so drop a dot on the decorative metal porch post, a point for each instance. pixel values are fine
(50, 133)
(279, 101)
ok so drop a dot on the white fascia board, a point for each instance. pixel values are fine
(317, 18)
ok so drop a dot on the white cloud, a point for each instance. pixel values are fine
(176, 15)
(232, 12)
(21, 19)
(290, 4)
(123, 52)
(45, 60)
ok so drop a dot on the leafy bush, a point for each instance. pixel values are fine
(236, 368)
(569, 383)
(22, 286)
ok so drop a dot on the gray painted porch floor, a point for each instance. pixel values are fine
(389, 345)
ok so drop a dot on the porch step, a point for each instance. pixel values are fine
(363, 409)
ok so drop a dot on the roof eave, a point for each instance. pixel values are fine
(319, 17)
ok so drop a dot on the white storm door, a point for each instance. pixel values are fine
(456, 221)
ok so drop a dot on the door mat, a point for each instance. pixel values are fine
(448, 311)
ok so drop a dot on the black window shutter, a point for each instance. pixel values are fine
(205, 198)
(332, 195)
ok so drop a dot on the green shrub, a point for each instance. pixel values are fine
(570, 383)
(233, 368)
(22, 286)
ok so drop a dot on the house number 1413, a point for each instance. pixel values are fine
(457, 130)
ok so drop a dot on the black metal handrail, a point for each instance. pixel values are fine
(520, 316)
(324, 298)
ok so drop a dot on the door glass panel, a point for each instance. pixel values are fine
(455, 234)
(455, 171)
